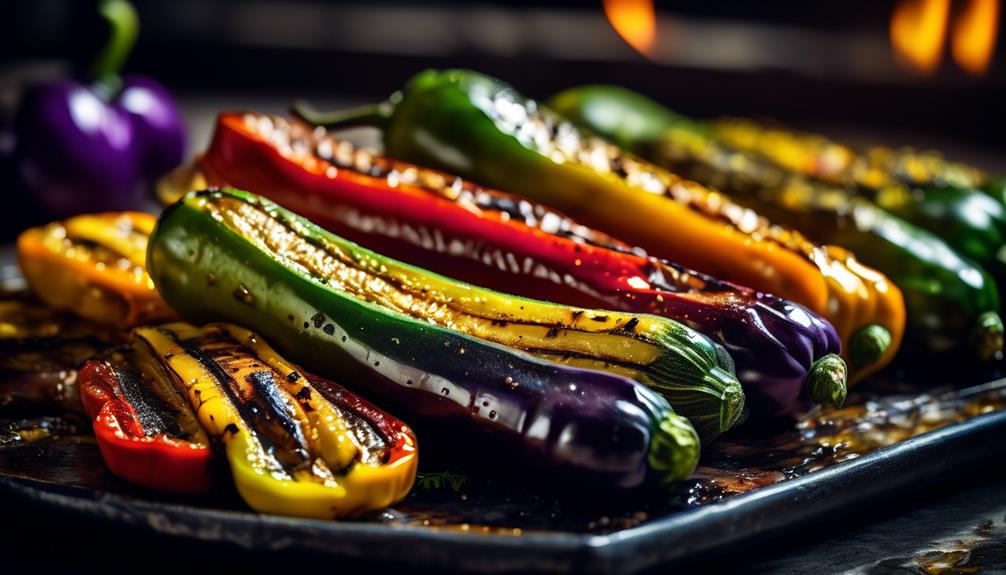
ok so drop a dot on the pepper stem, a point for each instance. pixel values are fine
(373, 115)
(868, 345)
(124, 26)
(826, 381)
(674, 448)
(988, 336)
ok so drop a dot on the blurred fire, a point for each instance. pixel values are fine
(635, 21)
(974, 35)
(919, 30)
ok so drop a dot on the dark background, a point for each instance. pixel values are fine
(825, 64)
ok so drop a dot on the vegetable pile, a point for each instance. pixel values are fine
(593, 290)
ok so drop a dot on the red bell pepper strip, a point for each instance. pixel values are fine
(459, 229)
(145, 435)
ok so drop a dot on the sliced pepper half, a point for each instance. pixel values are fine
(94, 265)
(145, 429)
(297, 445)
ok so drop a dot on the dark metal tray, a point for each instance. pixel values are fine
(798, 479)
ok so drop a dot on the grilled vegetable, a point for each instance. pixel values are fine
(41, 350)
(952, 303)
(93, 265)
(459, 229)
(480, 128)
(145, 429)
(230, 256)
(296, 444)
(877, 167)
(935, 195)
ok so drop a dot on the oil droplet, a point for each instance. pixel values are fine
(509, 381)
(211, 279)
(492, 414)
(244, 296)
(445, 391)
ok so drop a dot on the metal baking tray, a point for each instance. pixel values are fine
(484, 527)
(894, 437)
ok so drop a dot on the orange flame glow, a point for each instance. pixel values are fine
(974, 35)
(635, 21)
(918, 30)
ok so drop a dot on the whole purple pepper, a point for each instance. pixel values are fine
(88, 147)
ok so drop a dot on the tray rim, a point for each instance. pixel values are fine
(732, 522)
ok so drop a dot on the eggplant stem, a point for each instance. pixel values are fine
(674, 448)
(826, 382)
(988, 335)
(733, 401)
(124, 27)
(868, 345)
(371, 115)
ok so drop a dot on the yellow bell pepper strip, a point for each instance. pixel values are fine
(94, 265)
(296, 445)
(482, 129)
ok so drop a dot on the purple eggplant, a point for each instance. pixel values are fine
(88, 147)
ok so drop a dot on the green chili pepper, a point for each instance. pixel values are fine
(952, 302)
(482, 129)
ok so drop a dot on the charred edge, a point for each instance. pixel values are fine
(318, 319)
(269, 392)
(247, 411)
(437, 184)
(153, 413)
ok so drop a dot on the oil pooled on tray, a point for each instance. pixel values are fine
(737, 463)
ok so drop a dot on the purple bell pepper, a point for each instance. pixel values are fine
(88, 147)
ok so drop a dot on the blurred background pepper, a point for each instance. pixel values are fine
(87, 142)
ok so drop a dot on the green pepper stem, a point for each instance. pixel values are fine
(988, 334)
(826, 382)
(124, 27)
(868, 345)
(372, 115)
